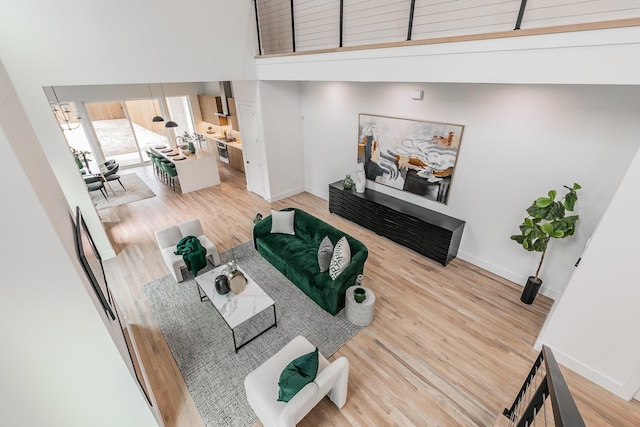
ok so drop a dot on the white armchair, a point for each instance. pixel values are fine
(261, 386)
(168, 238)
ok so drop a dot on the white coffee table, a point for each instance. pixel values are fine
(236, 309)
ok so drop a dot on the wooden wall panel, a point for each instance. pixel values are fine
(105, 110)
(142, 112)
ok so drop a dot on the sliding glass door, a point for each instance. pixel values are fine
(124, 129)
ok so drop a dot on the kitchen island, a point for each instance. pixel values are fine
(195, 172)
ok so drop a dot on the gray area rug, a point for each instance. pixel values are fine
(136, 190)
(202, 344)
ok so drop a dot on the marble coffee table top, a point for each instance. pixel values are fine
(234, 308)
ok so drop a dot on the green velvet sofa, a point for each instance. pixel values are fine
(296, 257)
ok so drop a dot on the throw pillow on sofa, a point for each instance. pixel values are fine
(340, 259)
(325, 253)
(282, 222)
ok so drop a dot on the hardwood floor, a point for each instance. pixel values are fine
(449, 346)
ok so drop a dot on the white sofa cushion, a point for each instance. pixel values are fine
(283, 222)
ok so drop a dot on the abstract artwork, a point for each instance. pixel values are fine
(410, 155)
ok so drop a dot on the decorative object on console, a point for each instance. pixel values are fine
(546, 218)
(410, 155)
(360, 178)
(347, 182)
(359, 294)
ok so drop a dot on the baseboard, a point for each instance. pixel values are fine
(592, 375)
(290, 193)
(507, 274)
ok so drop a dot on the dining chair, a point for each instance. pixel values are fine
(95, 182)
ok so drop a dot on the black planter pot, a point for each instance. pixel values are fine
(530, 290)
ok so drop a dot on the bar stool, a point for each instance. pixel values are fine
(171, 174)
(151, 156)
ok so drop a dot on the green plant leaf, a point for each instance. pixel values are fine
(538, 213)
(546, 220)
(547, 228)
(543, 202)
(540, 245)
(570, 200)
(518, 238)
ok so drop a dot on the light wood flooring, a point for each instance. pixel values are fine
(449, 346)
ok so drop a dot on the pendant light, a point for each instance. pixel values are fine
(63, 114)
(170, 123)
(156, 118)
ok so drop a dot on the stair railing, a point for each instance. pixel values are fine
(545, 381)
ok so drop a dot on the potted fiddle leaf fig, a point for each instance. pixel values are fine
(546, 219)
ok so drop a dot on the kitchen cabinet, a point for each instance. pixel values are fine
(233, 116)
(208, 109)
(236, 160)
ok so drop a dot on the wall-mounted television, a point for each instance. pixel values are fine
(92, 263)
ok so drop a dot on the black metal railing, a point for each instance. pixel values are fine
(544, 386)
(288, 26)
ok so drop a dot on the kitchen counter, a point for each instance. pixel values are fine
(233, 150)
(195, 172)
(219, 138)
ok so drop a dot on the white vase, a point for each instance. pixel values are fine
(360, 178)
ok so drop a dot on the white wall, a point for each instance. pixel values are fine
(281, 115)
(519, 141)
(595, 326)
(58, 364)
(583, 57)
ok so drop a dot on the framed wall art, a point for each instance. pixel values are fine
(92, 263)
(409, 155)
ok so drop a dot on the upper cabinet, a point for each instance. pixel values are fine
(233, 116)
(208, 110)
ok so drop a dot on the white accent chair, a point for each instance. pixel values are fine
(261, 386)
(168, 238)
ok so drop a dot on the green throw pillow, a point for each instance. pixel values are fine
(297, 374)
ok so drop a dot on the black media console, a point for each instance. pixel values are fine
(429, 233)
